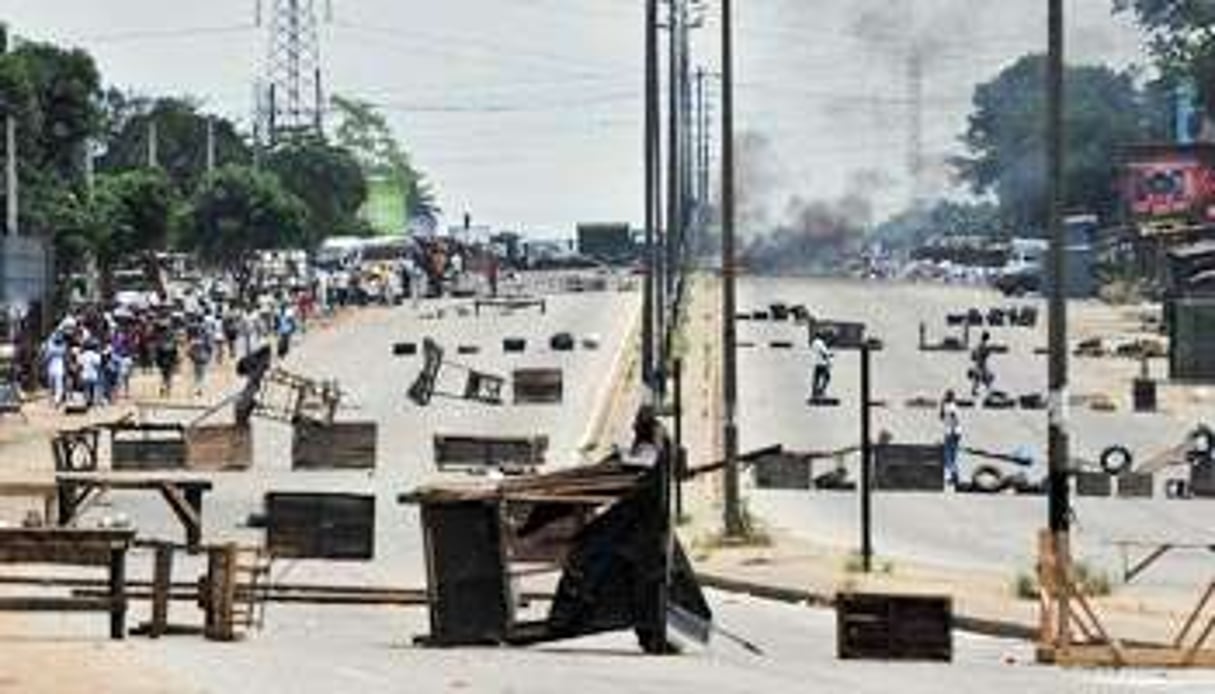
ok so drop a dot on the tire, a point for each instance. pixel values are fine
(987, 479)
(1116, 460)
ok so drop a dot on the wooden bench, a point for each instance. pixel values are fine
(75, 547)
(183, 495)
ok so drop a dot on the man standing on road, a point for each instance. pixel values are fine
(980, 369)
(952, 439)
(821, 378)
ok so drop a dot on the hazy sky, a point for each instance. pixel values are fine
(527, 113)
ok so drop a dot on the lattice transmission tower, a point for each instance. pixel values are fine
(290, 98)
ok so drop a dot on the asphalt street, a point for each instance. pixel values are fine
(963, 531)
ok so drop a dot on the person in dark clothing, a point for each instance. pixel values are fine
(166, 360)
(980, 374)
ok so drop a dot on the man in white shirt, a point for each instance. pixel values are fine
(821, 356)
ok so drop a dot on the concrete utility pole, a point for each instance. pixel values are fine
(733, 513)
(1057, 502)
(651, 217)
(153, 136)
(678, 26)
(10, 175)
(210, 144)
(10, 156)
(1058, 443)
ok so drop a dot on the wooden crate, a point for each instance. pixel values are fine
(1136, 485)
(782, 470)
(537, 386)
(148, 447)
(894, 627)
(908, 467)
(320, 526)
(219, 447)
(488, 451)
(1098, 484)
(1202, 480)
(335, 446)
(466, 567)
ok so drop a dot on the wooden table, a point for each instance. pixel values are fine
(183, 495)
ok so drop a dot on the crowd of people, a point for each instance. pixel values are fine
(90, 356)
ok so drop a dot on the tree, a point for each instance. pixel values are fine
(64, 85)
(1181, 35)
(944, 218)
(50, 93)
(181, 138)
(1006, 138)
(366, 133)
(238, 210)
(328, 179)
(130, 216)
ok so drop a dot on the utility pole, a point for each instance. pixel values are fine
(678, 16)
(210, 143)
(651, 218)
(1058, 501)
(153, 136)
(10, 155)
(733, 514)
(10, 174)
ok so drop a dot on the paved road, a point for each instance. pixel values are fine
(307, 649)
(968, 532)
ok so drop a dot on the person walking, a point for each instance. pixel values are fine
(980, 374)
(952, 439)
(166, 360)
(199, 351)
(91, 374)
(821, 355)
(56, 368)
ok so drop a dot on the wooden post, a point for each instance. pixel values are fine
(118, 591)
(221, 592)
(162, 580)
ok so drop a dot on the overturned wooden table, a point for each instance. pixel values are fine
(182, 494)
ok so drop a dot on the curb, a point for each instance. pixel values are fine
(610, 393)
(969, 624)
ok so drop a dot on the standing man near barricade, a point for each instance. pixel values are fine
(952, 439)
(821, 355)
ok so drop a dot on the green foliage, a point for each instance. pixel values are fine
(181, 138)
(328, 179)
(945, 218)
(237, 210)
(1105, 110)
(131, 212)
(64, 84)
(365, 132)
(1181, 36)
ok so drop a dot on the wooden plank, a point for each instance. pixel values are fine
(335, 446)
(1102, 655)
(537, 386)
(219, 447)
(488, 451)
(320, 526)
(55, 604)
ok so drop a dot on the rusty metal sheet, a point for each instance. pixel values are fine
(320, 526)
(339, 445)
